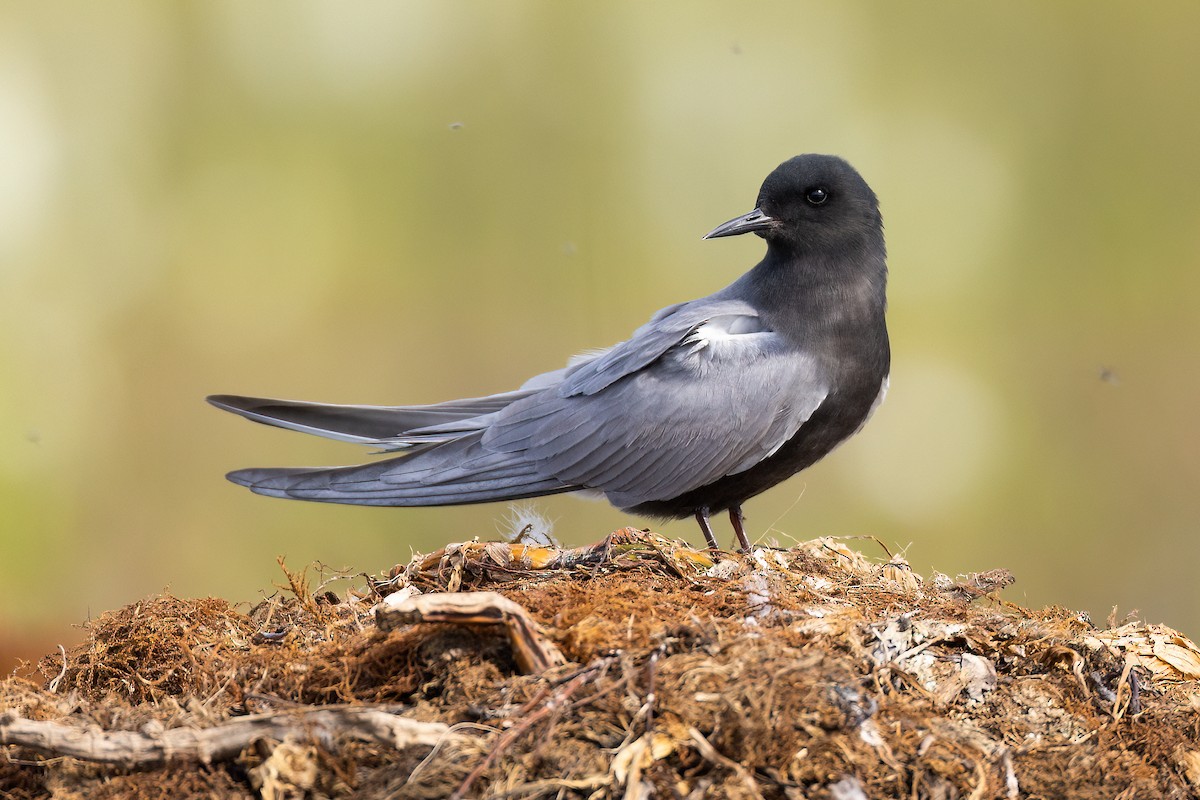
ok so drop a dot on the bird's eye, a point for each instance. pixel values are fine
(816, 197)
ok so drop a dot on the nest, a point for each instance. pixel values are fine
(637, 667)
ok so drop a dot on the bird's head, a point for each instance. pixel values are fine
(810, 202)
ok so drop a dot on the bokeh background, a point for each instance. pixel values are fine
(406, 202)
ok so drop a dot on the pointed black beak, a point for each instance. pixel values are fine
(756, 220)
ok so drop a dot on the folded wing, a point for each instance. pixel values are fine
(705, 390)
(714, 404)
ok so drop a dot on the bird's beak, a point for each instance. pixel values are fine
(756, 220)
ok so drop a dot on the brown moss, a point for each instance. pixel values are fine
(776, 676)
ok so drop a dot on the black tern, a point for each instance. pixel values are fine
(710, 403)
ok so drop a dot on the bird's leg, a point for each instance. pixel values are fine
(705, 528)
(736, 519)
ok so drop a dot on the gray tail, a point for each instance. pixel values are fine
(454, 473)
(359, 424)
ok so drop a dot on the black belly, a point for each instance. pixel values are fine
(837, 419)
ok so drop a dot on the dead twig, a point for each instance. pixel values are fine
(218, 743)
(560, 696)
(710, 754)
(53, 685)
(534, 654)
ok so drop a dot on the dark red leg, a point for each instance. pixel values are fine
(705, 528)
(736, 519)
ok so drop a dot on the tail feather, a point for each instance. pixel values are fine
(359, 424)
(411, 480)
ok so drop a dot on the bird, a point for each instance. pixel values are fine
(710, 403)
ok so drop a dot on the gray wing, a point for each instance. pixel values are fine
(665, 330)
(390, 426)
(409, 480)
(385, 426)
(372, 425)
(585, 374)
(724, 394)
(704, 390)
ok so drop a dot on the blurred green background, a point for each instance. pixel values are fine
(407, 202)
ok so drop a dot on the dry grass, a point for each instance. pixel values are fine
(810, 672)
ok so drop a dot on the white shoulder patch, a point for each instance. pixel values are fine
(723, 328)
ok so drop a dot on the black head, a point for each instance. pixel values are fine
(811, 201)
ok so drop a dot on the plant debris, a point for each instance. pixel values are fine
(634, 668)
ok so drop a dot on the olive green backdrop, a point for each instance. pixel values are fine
(406, 202)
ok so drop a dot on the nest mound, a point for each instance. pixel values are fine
(634, 668)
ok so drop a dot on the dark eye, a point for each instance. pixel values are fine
(816, 197)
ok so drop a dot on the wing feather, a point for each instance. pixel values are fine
(704, 390)
(687, 419)
(664, 331)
